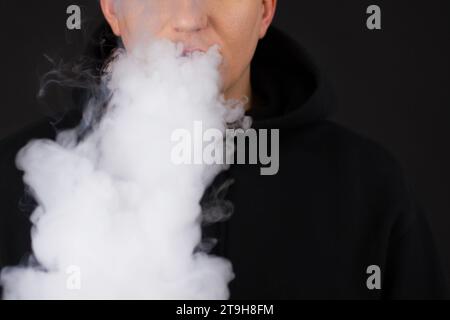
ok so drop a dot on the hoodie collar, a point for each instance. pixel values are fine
(289, 91)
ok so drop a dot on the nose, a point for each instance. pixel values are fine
(189, 16)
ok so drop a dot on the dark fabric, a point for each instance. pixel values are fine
(339, 203)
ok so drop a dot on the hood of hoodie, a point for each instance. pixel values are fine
(289, 91)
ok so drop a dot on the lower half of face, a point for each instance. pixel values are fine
(234, 25)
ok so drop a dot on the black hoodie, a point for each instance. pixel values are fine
(339, 205)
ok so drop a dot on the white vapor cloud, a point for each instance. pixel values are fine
(113, 204)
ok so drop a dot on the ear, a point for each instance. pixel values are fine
(269, 8)
(110, 13)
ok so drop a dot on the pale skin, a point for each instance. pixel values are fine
(235, 25)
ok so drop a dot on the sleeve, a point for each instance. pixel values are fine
(413, 269)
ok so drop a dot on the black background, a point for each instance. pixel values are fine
(392, 85)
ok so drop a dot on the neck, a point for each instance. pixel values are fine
(241, 89)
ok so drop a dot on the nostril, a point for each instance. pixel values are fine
(188, 29)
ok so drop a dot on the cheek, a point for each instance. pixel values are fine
(140, 21)
(239, 40)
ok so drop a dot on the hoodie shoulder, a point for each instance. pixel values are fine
(44, 128)
(36, 130)
(14, 206)
(356, 148)
(11, 184)
(380, 200)
(371, 172)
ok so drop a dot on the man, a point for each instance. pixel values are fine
(339, 219)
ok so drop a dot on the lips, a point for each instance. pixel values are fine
(189, 51)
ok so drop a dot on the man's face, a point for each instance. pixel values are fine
(235, 25)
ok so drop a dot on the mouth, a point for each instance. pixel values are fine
(187, 52)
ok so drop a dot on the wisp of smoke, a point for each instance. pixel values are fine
(112, 205)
